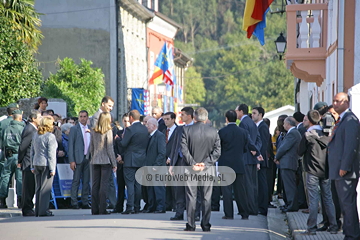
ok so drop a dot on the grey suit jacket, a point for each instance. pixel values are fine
(343, 152)
(102, 148)
(200, 143)
(287, 153)
(76, 144)
(155, 153)
(43, 151)
(25, 146)
(95, 118)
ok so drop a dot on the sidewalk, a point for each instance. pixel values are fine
(10, 212)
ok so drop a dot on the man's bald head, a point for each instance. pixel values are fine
(341, 102)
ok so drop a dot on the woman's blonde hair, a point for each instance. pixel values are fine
(46, 125)
(104, 123)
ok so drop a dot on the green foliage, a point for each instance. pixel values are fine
(194, 87)
(234, 69)
(19, 77)
(81, 86)
(23, 17)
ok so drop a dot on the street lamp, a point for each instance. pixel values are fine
(280, 45)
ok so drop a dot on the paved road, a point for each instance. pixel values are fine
(80, 224)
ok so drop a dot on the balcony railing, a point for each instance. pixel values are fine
(307, 41)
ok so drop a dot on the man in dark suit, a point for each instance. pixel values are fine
(79, 142)
(257, 115)
(135, 141)
(200, 146)
(155, 157)
(234, 142)
(343, 157)
(287, 157)
(300, 173)
(157, 113)
(119, 151)
(171, 127)
(176, 159)
(251, 164)
(28, 187)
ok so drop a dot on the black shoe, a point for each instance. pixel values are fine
(47, 214)
(245, 218)
(159, 211)
(264, 214)
(225, 217)
(3, 203)
(322, 229)
(110, 206)
(271, 206)
(128, 212)
(215, 209)
(147, 211)
(29, 214)
(333, 230)
(86, 207)
(308, 233)
(75, 207)
(206, 229)
(116, 211)
(177, 218)
(197, 219)
(189, 229)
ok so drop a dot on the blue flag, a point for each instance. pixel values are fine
(137, 100)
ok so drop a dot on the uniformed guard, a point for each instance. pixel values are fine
(11, 139)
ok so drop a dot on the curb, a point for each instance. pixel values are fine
(292, 225)
(10, 215)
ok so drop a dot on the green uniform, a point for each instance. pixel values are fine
(3, 124)
(11, 139)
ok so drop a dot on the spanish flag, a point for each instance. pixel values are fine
(163, 67)
(254, 20)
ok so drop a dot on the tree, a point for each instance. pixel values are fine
(194, 87)
(20, 78)
(23, 16)
(81, 86)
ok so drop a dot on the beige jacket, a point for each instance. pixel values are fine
(102, 148)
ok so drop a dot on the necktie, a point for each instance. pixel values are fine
(167, 135)
(85, 140)
(336, 125)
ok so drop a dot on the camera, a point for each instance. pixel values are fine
(57, 124)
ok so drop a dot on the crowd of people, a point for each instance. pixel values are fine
(318, 150)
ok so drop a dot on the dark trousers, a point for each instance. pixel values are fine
(10, 167)
(301, 187)
(180, 200)
(346, 190)
(238, 186)
(101, 176)
(191, 199)
(133, 189)
(290, 189)
(270, 176)
(156, 198)
(43, 183)
(170, 198)
(215, 198)
(28, 191)
(279, 184)
(82, 171)
(263, 198)
(252, 188)
(121, 189)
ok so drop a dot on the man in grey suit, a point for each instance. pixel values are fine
(155, 157)
(107, 104)
(79, 142)
(134, 142)
(287, 157)
(343, 157)
(252, 164)
(200, 146)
